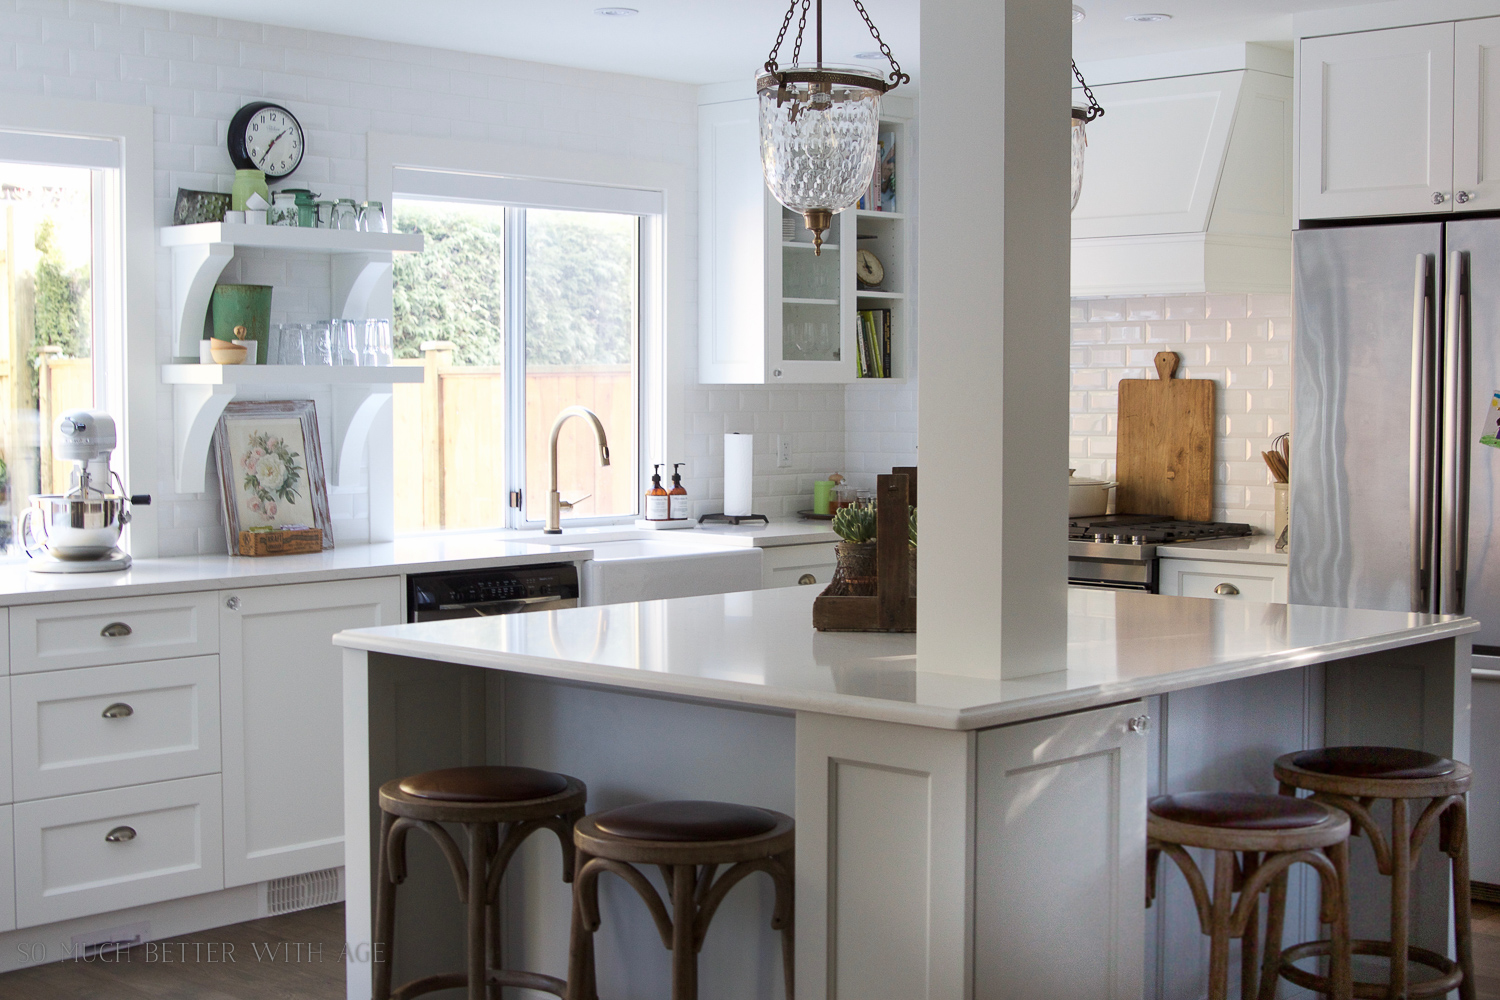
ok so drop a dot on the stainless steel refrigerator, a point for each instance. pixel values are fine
(1395, 476)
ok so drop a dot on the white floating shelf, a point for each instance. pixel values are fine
(873, 293)
(201, 392)
(800, 243)
(865, 214)
(259, 375)
(811, 302)
(291, 238)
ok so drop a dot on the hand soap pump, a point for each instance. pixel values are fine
(657, 503)
(677, 500)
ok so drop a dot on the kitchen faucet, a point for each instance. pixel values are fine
(555, 503)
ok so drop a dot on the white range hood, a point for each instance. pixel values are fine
(1187, 183)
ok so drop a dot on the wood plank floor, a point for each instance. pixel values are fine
(278, 959)
(290, 957)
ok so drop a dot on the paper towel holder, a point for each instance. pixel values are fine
(734, 518)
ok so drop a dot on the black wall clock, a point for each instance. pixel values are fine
(265, 137)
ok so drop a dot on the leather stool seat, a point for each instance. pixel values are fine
(1238, 811)
(1391, 763)
(683, 821)
(484, 784)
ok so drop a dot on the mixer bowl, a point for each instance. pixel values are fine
(73, 527)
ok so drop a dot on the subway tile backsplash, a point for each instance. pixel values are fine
(1242, 342)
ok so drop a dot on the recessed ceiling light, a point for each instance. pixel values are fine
(616, 11)
(868, 55)
(1148, 18)
(1078, 14)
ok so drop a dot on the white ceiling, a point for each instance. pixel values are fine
(708, 41)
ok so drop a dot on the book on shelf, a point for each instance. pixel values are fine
(880, 194)
(873, 344)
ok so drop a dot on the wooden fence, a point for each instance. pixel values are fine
(450, 441)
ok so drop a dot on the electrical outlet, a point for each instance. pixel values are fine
(783, 452)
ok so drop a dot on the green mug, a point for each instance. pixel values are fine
(247, 306)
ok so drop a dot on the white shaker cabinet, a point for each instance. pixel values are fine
(1376, 133)
(1476, 115)
(1061, 807)
(798, 565)
(282, 683)
(1264, 583)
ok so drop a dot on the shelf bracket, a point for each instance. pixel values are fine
(356, 436)
(195, 271)
(355, 278)
(195, 413)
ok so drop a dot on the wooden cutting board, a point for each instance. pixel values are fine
(1165, 450)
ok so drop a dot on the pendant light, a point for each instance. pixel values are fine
(1082, 115)
(819, 127)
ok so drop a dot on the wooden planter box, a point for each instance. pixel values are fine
(892, 609)
(281, 543)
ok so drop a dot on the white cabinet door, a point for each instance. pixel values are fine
(1484, 757)
(794, 565)
(733, 260)
(1476, 114)
(122, 630)
(7, 871)
(1226, 580)
(282, 683)
(1060, 823)
(1376, 123)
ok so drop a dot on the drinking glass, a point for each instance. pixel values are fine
(372, 217)
(346, 214)
(273, 344)
(320, 344)
(325, 214)
(293, 349)
(346, 341)
(379, 332)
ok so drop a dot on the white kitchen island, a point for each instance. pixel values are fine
(957, 838)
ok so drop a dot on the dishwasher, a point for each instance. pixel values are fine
(480, 593)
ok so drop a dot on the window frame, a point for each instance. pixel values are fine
(657, 192)
(124, 287)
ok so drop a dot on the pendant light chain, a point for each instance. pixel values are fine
(1095, 110)
(896, 76)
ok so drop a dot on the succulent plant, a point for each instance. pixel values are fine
(856, 523)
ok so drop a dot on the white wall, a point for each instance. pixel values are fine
(195, 72)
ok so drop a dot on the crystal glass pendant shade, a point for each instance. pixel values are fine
(1080, 143)
(819, 132)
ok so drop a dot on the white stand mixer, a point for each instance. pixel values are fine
(79, 530)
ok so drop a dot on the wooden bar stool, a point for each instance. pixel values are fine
(499, 807)
(1354, 779)
(687, 841)
(1255, 839)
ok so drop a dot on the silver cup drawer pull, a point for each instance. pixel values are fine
(119, 710)
(120, 835)
(115, 630)
(1227, 590)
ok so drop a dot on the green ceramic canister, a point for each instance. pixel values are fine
(248, 306)
(246, 183)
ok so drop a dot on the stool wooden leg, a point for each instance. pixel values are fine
(581, 941)
(787, 904)
(684, 924)
(385, 913)
(1456, 825)
(1400, 899)
(1250, 952)
(492, 954)
(1270, 966)
(1341, 962)
(1223, 909)
(479, 841)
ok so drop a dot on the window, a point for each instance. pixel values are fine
(522, 304)
(58, 317)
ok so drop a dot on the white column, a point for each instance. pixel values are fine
(994, 232)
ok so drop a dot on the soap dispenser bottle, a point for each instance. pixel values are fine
(677, 500)
(657, 505)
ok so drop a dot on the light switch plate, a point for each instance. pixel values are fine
(783, 452)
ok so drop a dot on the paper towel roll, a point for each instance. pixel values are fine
(739, 466)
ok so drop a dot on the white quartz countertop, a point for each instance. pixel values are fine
(1260, 549)
(18, 585)
(759, 648)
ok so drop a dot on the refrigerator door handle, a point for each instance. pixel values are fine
(1454, 531)
(1421, 480)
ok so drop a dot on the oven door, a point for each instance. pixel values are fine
(486, 609)
(1106, 574)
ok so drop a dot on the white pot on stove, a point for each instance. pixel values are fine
(1087, 497)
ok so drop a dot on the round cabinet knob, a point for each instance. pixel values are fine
(806, 580)
(1438, 197)
(233, 603)
(776, 372)
(1463, 197)
(119, 710)
(120, 835)
(1139, 724)
(1227, 590)
(115, 630)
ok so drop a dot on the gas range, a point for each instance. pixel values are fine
(1119, 551)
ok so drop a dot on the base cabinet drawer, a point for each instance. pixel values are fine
(105, 727)
(94, 633)
(791, 565)
(102, 851)
(1224, 580)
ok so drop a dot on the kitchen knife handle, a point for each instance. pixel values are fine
(1422, 425)
(1455, 504)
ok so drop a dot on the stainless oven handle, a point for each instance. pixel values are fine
(485, 608)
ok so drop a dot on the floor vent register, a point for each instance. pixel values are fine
(303, 892)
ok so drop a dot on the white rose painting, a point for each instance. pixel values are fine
(271, 467)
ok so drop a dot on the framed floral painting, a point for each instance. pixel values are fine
(271, 468)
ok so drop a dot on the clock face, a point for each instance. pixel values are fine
(266, 137)
(868, 268)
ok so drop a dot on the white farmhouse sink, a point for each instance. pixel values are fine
(651, 570)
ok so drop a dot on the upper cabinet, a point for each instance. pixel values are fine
(770, 310)
(1401, 121)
